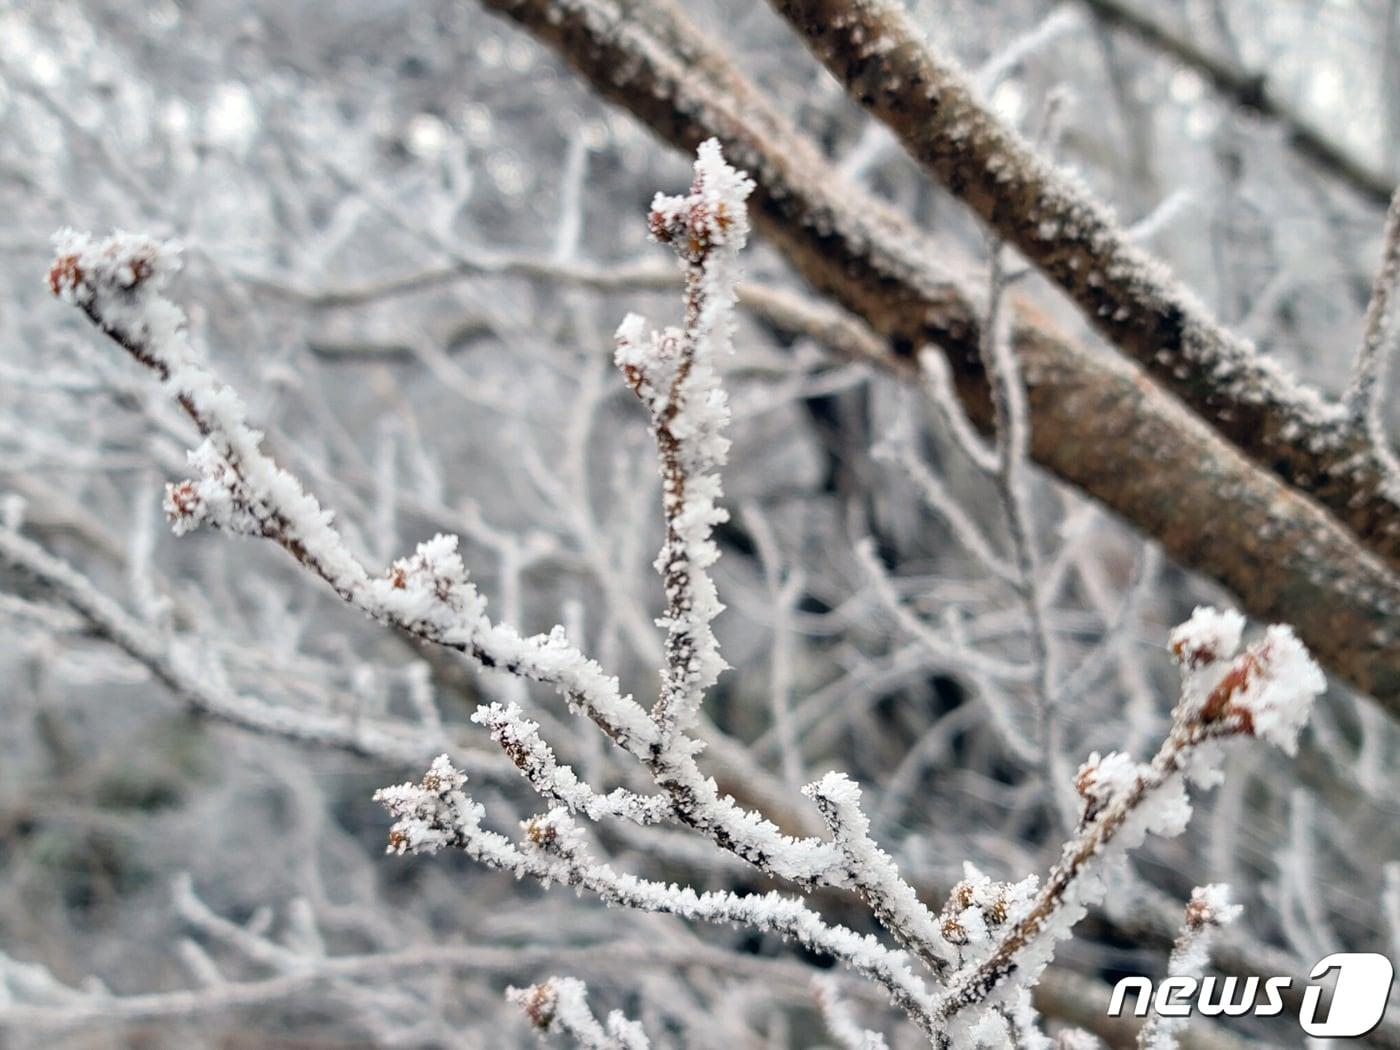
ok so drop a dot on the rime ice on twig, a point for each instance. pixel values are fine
(519, 737)
(1012, 460)
(1208, 911)
(840, 1023)
(873, 874)
(674, 373)
(560, 1006)
(1265, 691)
(437, 813)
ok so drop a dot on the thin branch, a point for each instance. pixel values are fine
(674, 373)
(1251, 91)
(390, 741)
(1012, 447)
(1208, 910)
(1266, 691)
(437, 814)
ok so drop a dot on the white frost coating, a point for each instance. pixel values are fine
(436, 812)
(1101, 778)
(840, 1022)
(1266, 692)
(90, 268)
(560, 1006)
(873, 874)
(1279, 697)
(117, 281)
(521, 740)
(673, 372)
(1208, 911)
(1209, 635)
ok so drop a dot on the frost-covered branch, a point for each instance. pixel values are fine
(1266, 692)
(840, 1023)
(873, 875)
(1208, 911)
(1012, 437)
(674, 374)
(180, 669)
(1365, 396)
(987, 931)
(520, 739)
(436, 814)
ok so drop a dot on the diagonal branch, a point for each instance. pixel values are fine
(1250, 91)
(885, 63)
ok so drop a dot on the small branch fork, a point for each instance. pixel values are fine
(990, 942)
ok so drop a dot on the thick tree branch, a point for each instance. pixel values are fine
(1094, 422)
(877, 53)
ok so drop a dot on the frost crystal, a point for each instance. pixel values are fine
(1209, 636)
(1281, 681)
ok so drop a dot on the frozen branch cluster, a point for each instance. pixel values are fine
(841, 737)
(962, 976)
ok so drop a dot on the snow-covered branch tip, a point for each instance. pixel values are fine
(674, 373)
(1207, 912)
(1266, 691)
